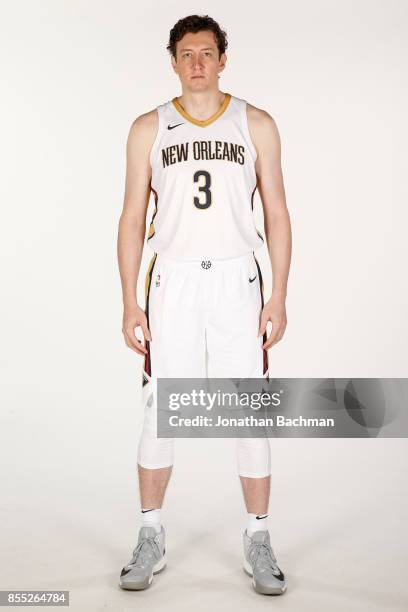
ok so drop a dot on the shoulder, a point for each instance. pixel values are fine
(262, 126)
(144, 128)
(263, 130)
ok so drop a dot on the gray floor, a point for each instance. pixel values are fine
(337, 522)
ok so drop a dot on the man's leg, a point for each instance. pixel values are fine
(152, 486)
(176, 350)
(155, 456)
(235, 351)
(254, 469)
(256, 493)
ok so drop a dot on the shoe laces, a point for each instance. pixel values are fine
(261, 553)
(144, 551)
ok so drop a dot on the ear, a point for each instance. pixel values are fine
(174, 64)
(223, 61)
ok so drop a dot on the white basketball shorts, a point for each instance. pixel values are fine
(204, 320)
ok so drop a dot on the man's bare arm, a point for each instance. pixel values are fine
(266, 139)
(132, 224)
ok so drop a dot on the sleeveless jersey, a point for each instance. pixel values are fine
(203, 181)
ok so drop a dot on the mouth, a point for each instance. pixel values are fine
(197, 77)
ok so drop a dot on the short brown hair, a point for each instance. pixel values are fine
(196, 23)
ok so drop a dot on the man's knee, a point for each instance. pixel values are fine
(154, 453)
(253, 457)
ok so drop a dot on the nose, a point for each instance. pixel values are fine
(197, 62)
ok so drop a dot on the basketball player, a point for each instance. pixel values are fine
(202, 155)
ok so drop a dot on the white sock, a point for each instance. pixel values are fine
(256, 522)
(151, 518)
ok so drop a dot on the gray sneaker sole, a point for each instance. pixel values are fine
(133, 585)
(259, 588)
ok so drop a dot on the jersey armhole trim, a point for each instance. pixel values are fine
(247, 133)
(157, 138)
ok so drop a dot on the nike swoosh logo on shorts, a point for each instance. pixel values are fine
(251, 280)
(171, 127)
(144, 511)
(258, 518)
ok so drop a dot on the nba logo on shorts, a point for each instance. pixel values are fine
(158, 280)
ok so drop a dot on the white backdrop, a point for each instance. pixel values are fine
(333, 75)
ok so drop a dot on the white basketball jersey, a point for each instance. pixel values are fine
(203, 181)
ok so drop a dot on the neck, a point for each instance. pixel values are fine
(201, 104)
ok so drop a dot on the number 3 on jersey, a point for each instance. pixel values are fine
(203, 188)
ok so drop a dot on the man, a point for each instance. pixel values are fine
(202, 155)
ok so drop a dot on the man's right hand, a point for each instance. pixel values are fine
(134, 316)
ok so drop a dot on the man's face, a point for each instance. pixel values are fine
(197, 61)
